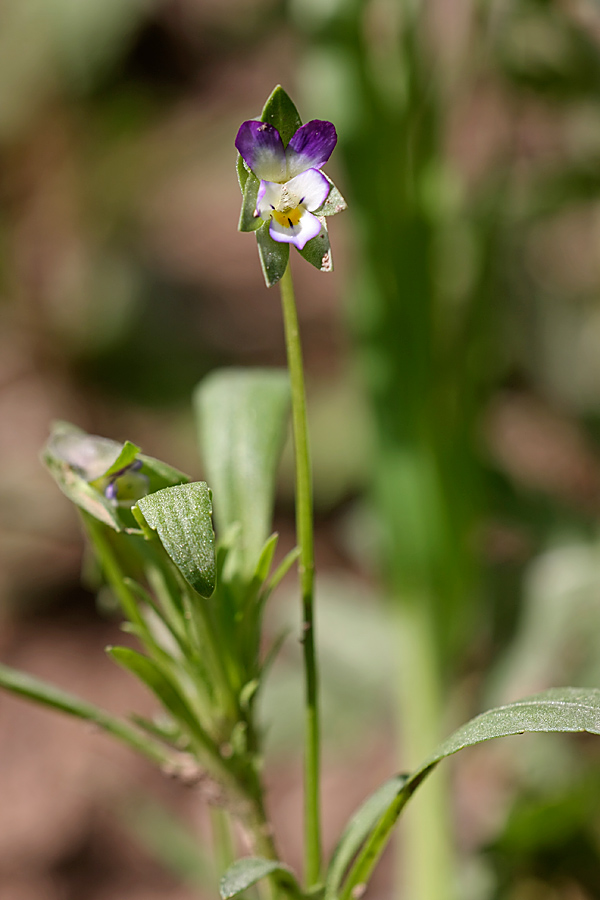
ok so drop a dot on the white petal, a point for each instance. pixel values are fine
(308, 227)
(310, 188)
(268, 198)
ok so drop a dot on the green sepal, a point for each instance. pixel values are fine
(242, 172)
(280, 111)
(318, 250)
(274, 256)
(128, 454)
(181, 515)
(334, 202)
(248, 871)
(249, 221)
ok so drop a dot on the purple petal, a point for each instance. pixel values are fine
(308, 227)
(261, 147)
(310, 147)
(110, 491)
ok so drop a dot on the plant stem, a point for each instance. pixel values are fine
(306, 570)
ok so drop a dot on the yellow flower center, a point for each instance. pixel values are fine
(287, 217)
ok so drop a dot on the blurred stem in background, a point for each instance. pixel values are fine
(422, 365)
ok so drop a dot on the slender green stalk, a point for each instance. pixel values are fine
(46, 694)
(306, 569)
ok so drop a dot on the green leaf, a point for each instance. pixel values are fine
(283, 568)
(263, 566)
(46, 694)
(334, 202)
(246, 872)
(280, 111)
(556, 710)
(181, 515)
(242, 418)
(317, 251)
(273, 256)
(249, 221)
(358, 829)
(165, 689)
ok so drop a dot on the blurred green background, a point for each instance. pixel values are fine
(453, 362)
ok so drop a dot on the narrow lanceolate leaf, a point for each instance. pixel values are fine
(556, 710)
(181, 516)
(273, 256)
(164, 688)
(334, 203)
(248, 871)
(266, 558)
(283, 568)
(242, 419)
(318, 251)
(46, 694)
(357, 831)
(280, 111)
(249, 220)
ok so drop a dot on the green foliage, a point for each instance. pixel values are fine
(182, 517)
(166, 689)
(202, 659)
(555, 710)
(248, 871)
(358, 830)
(24, 685)
(242, 417)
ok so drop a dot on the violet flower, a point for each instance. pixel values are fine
(292, 187)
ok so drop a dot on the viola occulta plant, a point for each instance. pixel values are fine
(193, 600)
(286, 195)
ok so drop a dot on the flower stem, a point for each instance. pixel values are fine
(306, 569)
